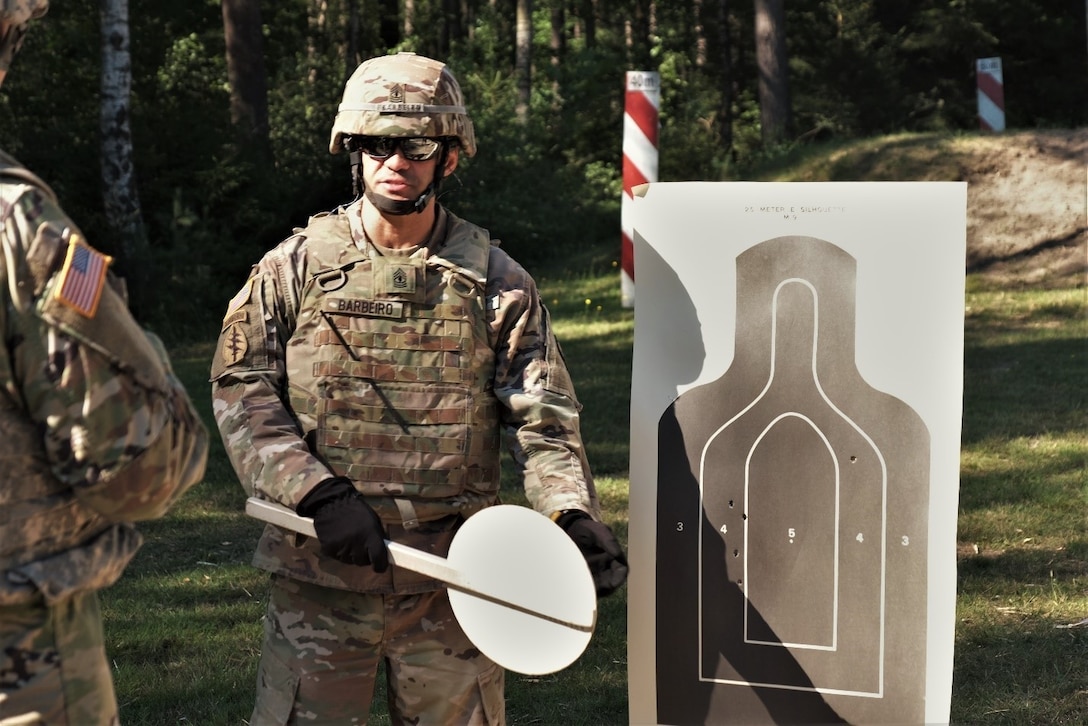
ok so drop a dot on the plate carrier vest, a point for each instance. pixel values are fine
(390, 368)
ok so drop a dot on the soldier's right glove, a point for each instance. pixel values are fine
(348, 529)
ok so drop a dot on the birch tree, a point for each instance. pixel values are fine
(120, 196)
(524, 59)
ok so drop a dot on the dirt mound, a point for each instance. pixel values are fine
(1027, 197)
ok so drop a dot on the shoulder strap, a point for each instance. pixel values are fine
(324, 236)
(466, 251)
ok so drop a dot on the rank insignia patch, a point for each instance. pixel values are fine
(402, 280)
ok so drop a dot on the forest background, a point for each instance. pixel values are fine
(188, 138)
(186, 157)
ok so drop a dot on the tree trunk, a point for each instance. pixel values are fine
(316, 23)
(120, 196)
(390, 22)
(524, 59)
(640, 34)
(353, 47)
(589, 22)
(772, 62)
(558, 42)
(725, 107)
(409, 17)
(468, 19)
(700, 34)
(455, 28)
(247, 75)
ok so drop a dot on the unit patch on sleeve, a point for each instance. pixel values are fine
(234, 344)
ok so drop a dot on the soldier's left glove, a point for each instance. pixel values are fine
(604, 555)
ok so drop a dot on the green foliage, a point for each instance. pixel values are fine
(546, 187)
(690, 146)
(211, 208)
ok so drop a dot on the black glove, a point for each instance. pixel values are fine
(606, 559)
(348, 529)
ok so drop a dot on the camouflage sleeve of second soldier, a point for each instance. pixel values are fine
(540, 411)
(260, 432)
(118, 426)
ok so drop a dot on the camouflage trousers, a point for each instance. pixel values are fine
(322, 647)
(53, 662)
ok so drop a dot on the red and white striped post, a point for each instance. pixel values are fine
(991, 94)
(641, 102)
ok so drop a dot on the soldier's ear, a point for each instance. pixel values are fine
(451, 161)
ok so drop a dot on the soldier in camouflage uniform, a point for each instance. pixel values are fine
(365, 375)
(95, 433)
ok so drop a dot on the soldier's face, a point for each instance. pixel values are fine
(399, 178)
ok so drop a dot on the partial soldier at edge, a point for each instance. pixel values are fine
(96, 433)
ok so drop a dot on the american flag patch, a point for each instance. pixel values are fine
(82, 277)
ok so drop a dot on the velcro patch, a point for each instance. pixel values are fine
(240, 299)
(234, 344)
(368, 308)
(82, 277)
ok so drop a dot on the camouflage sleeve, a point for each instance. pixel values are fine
(540, 412)
(260, 432)
(118, 426)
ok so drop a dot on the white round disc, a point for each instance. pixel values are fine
(515, 554)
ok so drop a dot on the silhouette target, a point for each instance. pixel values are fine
(792, 517)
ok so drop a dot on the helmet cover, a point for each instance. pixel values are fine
(403, 95)
(15, 17)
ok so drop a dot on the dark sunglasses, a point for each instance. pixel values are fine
(413, 148)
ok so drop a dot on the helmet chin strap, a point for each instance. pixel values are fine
(396, 207)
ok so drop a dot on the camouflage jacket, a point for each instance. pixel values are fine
(95, 430)
(272, 406)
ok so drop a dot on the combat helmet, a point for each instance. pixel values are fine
(15, 17)
(402, 95)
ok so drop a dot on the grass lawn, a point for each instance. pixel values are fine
(183, 625)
